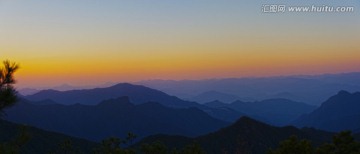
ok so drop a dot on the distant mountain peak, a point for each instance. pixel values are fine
(341, 97)
(246, 121)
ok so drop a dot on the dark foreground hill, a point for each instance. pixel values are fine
(114, 117)
(244, 136)
(40, 141)
(278, 112)
(339, 112)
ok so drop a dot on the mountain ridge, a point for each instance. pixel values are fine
(246, 135)
(137, 94)
(96, 95)
(339, 112)
(277, 112)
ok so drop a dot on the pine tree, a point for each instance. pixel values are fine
(7, 91)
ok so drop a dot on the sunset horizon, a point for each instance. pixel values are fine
(82, 43)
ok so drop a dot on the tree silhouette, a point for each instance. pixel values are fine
(7, 91)
(294, 146)
(154, 148)
(342, 143)
(113, 145)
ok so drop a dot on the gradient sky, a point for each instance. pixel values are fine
(95, 41)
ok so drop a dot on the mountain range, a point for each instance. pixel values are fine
(244, 136)
(124, 108)
(273, 111)
(311, 89)
(137, 94)
(277, 112)
(114, 117)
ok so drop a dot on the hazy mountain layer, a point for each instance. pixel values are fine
(309, 89)
(277, 112)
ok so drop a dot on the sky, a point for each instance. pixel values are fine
(89, 42)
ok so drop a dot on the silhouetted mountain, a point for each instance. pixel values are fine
(244, 136)
(277, 112)
(114, 117)
(137, 94)
(41, 141)
(339, 112)
(310, 89)
(214, 95)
